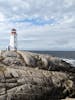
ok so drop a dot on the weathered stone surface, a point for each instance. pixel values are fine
(46, 62)
(35, 77)
(24, 83)
(12, 58)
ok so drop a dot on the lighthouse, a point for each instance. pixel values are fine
(13, 40)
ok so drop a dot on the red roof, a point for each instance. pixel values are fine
(13, 31)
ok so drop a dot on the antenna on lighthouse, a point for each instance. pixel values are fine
(13, 40)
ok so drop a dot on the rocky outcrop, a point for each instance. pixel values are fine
(31, 84)
(31, 76)
(46, 62)
(11, 58)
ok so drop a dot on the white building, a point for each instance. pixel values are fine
(13, 40)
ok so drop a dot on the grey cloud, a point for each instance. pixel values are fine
(60, 35)
(31, 7)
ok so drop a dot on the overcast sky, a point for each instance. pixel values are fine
(40, 24)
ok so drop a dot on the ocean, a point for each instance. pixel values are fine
(68, 56)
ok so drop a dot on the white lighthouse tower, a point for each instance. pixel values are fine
(13, 40)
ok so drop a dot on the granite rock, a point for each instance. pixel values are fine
(31, 76)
